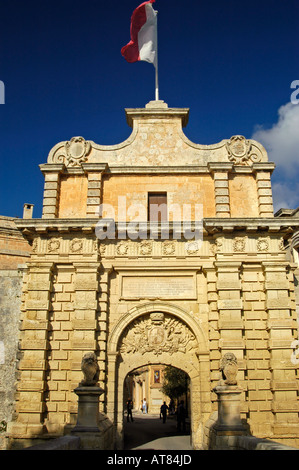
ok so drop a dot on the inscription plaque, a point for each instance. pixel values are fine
(182, 287)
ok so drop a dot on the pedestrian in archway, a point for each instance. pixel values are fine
(163, 411)
(144, 406)
(181, 416)
(129, 409)
(171, 407)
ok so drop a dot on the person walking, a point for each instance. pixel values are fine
(171, 407)
(144, 406)
(181, 416)
(163, 411)
(129, 409)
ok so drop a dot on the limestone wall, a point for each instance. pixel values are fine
(10, 303)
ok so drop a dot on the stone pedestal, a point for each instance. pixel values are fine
(229, 408)
(88, 409)
(229, 424)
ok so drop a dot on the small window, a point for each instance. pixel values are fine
(157, 207)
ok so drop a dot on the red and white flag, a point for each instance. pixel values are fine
(143, 44)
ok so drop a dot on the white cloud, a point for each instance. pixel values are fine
(285, 196)
(282, 144)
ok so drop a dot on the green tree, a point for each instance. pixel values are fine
(175, 383)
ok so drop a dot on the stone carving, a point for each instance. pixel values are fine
(77, 150)
(168, 248)
(216, 246)
(90, 369)
(281, 245)
(229, 369)
(102, 249)
(122, 248)
(34, 245)
(73, 153)
(157, 333)
(240, 151)
(262, 244)
(76, 245)
(239, 244)
(146, 247)
(192, 248)
(53, 245)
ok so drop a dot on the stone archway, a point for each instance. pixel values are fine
(157, 333)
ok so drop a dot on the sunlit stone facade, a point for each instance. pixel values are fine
(152, 297)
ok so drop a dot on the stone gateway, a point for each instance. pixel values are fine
(178, 289)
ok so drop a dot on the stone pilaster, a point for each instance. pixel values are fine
(230, 307)
(60, 363)
(221, 186)
(51, 189)
(103, 327)
(282, 328)
(34, 345)
(257, 356)
(215, 355)
(264, 193)
(94, 191)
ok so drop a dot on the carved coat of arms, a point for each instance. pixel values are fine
(239, 151)
(157, 333)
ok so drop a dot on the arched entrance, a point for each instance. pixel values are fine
(158, 333)
(147, 388)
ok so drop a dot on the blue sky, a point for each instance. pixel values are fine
(232, 63)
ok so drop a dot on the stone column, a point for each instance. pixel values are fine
(51, 189)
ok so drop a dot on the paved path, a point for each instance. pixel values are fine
(149, 432)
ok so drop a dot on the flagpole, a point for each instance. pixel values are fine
(156, 66)
(157, 84)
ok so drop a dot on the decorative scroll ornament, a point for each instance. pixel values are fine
(158, 334)
(72, 153)
(239, 151)
(77, 150)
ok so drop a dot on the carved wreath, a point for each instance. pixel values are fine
(262, 244)
(76, 245)
(239, 244)
(53, 245)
